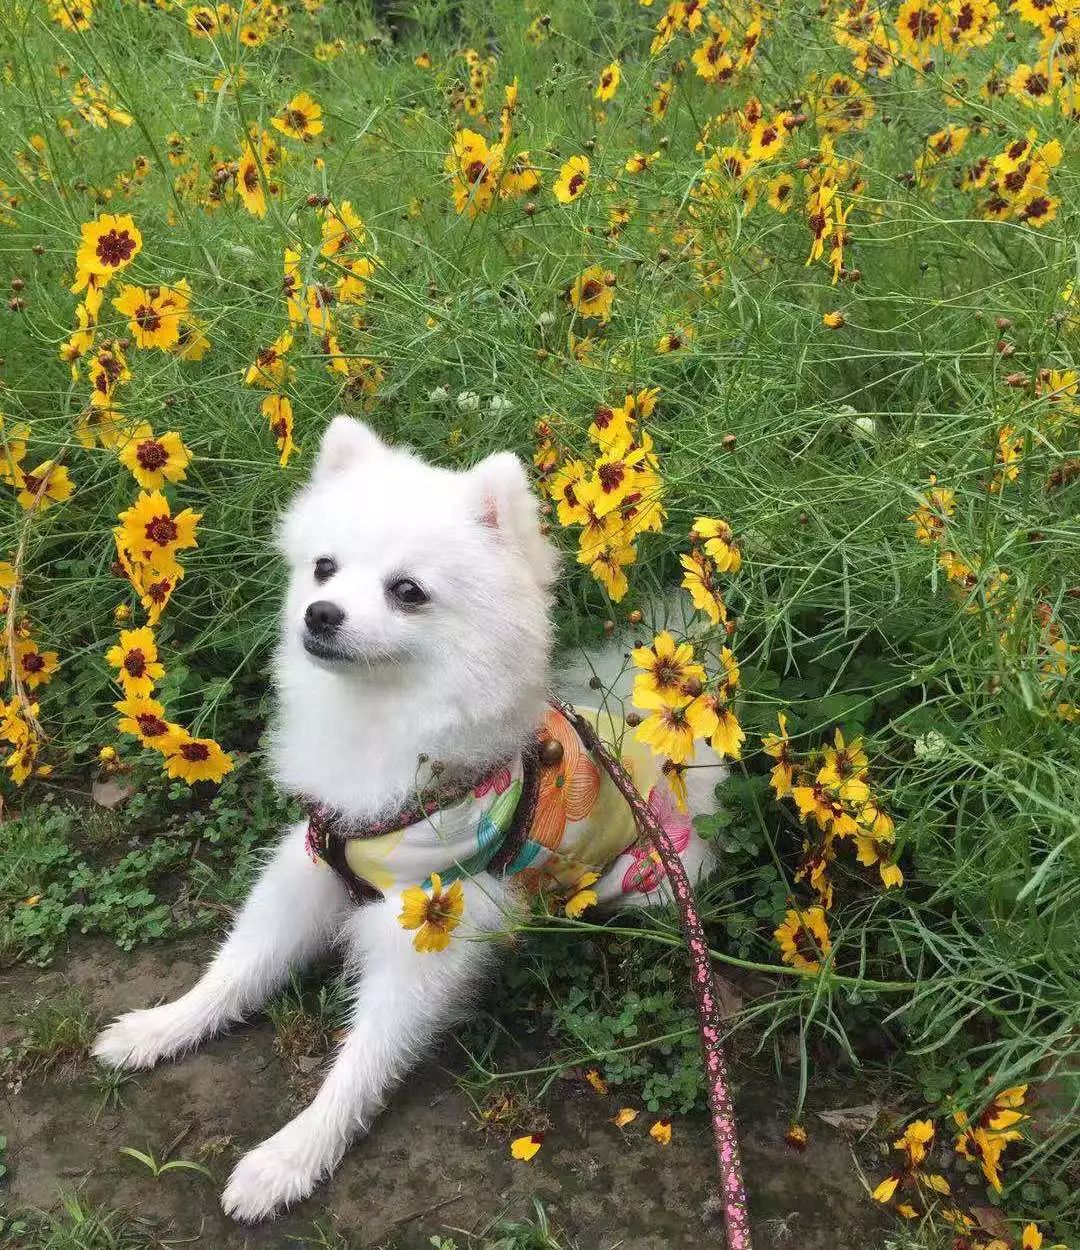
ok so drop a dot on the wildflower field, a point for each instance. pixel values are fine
(783, 304)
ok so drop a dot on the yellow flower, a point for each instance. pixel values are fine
(49, 483)
(301, 118)
(249, 183)
(833, 320)
(475, 167)
(153, 536)
(108, 246)
(779, 747)
(573, 180)
(728, 736)
(698, 573)
(719, 541)
(525, 1148)
(582, 897)
(916, 1141)
(154, 314)
(609, 82)
(803, 938)
(661, 1132)
(193, 759)
(278, 411)
(144, 718)
(342, 229)
(675, 340)
(606, 562)
(599, 1085)
(155, 461)
(627, 1115)
(638, 162)
(35, 667)
(135, 657)
(886, 1188)
(672, 727)
(668, 668)
(593, 293)
(435, 916)
(271, 370)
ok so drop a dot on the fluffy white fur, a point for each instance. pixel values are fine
(461, 680)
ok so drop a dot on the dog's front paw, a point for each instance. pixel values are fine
(269, 1178)
(138, 1039)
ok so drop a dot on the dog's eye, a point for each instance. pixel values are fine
(407, 594)
(325, 568)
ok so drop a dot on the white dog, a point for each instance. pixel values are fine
(415, 650)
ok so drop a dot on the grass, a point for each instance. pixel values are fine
(816, 444)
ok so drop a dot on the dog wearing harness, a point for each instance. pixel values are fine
(414, 717)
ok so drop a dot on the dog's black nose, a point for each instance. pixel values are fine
(323, 617)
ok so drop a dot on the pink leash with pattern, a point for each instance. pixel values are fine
(721, 1107)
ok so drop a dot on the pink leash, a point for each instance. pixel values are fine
(721, 1107)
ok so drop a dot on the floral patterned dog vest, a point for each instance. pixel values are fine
(547, 824)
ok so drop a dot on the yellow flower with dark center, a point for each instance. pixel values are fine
(154, 312)
(668, 669)
(153, 536)
(475, 168)
(153, 461)
(672, 726)
(1037, 208)
(699, 579)
(144, 718)
(135, 657)
(803, 938)
(193, 759)
(562, 488)
(919, 25)
(35, 667)
(719, 541)
(271, 370)
(711, 59)
(72, 14)
(593, 293)
(779, 747)
(423, 60)
(342, 229)
(675, 340)
(301, 118)
(249, 184)
(573, 180)
(278, 411)
(108, 245)
(728, 736)
(202, 21)
(40, 488)
(661, 1132)
(607, 561)
(435, 916)
(609, 82)
(640, 161)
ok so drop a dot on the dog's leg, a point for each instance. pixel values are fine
(403, 1000)
(290, 916)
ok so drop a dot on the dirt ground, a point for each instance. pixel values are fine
(427, 1167)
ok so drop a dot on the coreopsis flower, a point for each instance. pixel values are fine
(728, 736)
(144, 718)
(914, 1145)
(573, 180)
(301, 118)
(820, 219)
(521, 177)
(1037, 208)
(108, 246)
(271, 370)
(803, 938)
(659, 104)
(711, 60)
(615, 476)
(638, 162)
(583, 896)
(151, 535)
(40, 488)
(719, 541)
(668, 669)
(279, 412)
(104, 426)
(72, 14)
(153, 461)
(661, 1132)
(202, 21)
(342, 229)
(675, 340)
(562, 488)
(844, 770)
(9, 579)
(609, 82)
(249, 183)
(779, 747)
(673, 725)
(932, 514)
(476, 168)
(435, 916)
(135, 657)
(1035, 85)
(766, 138)
(524, 1148)
(844, 105)
(625, 1116)
(606, 562)
(35, 667)
(193, 759)
(12, 451)
(107, 370)
(986, 1140)
(970, 24)
(593, 293)
(919, 27)
(611, 426)
(699, 579)
(834, 320)
(155, 313)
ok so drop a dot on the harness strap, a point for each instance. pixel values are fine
(710, 1022)
(523, 814)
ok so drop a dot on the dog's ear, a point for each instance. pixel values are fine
(346, 443)
(503, 500)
